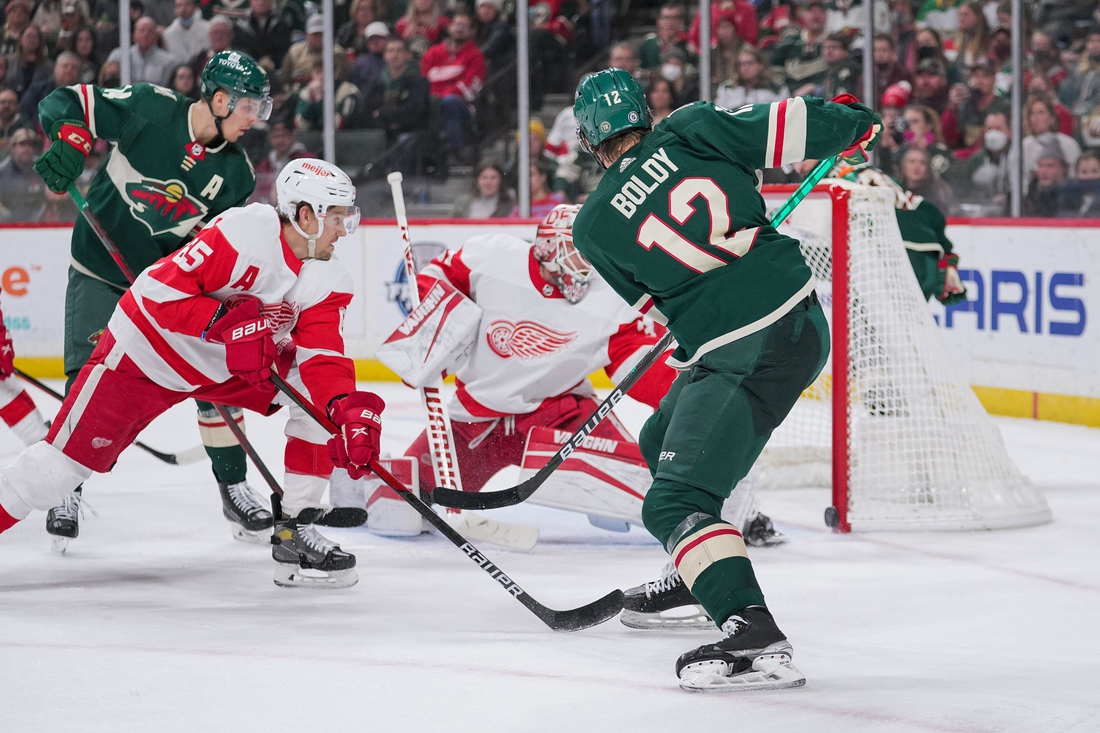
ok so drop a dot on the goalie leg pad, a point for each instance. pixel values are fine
(387, 513)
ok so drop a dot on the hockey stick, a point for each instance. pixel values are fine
(444, 458)
(191, 455)
(570, 620)
(238, 433)
(444, 496)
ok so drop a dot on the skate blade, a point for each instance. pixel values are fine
(258, 537)
(60, 544)
(294, 576)
(769, 672)
(694, 617)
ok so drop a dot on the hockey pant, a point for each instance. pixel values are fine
(18, 411)
(484, 448)
(111, 402)
(89, 303)
(704, 438)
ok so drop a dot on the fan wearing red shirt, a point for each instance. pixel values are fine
(455, 69)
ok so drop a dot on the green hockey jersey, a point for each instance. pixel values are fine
(678, 227)
(157, 183)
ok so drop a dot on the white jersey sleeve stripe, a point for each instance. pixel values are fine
(794, 132)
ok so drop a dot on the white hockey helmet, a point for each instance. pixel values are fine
(554, 248)
(322, 185)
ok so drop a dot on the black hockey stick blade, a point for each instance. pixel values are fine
(574, 619)
(176, 459)
(509, 497)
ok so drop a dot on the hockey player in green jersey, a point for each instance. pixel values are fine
(678, 228)
(923, 233)
(174, 164)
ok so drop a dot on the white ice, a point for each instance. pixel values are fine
(156, 620)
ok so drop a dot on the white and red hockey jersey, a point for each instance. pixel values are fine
(526, 320)
(161, 318)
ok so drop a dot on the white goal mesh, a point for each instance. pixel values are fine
(921, 451)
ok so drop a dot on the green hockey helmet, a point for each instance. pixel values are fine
(242, 78)
(609, 102)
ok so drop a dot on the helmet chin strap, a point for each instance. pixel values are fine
(217, 121)
(311, 250)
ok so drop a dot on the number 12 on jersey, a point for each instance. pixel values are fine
(655, 232)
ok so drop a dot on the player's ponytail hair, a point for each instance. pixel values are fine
(613, 147)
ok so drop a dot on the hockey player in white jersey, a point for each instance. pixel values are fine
(522, 327)
(17, 409)
(257, 290)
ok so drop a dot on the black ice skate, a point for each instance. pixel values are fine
(760, 533)
(307, 559)
(248, 517)
(663, 604)
(63, 522)
(755, 655)
(343, 516)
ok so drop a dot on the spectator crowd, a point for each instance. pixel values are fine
(419, 72)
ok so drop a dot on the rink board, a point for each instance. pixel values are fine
(1024, 339)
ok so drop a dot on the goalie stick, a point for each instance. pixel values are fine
(444, 458)
(574, 619)
(191, 455)
(445, 496)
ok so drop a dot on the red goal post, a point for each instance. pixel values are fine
(891, 426)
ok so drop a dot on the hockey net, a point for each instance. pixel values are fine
(891, 425)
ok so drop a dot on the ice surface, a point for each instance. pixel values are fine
(157, 620)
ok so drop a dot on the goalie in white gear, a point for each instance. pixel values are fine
(522, 326)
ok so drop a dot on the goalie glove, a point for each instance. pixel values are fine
(249, 348)
(63, 162)
(359, 417)
(949, 284)
(859, 149)
(436, 337)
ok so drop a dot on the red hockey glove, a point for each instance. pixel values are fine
(951, 289)
(359, 417)
(7, 354)
(249, 348)
(866, 143)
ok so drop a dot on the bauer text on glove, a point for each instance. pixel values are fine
(249, 348)
(359, 417)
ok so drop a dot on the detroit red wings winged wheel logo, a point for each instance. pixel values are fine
(526, 339)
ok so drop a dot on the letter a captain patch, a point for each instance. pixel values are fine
(702, 548)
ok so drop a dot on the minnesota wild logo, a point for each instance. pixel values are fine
(162, 205)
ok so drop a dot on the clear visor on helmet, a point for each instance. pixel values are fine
(344, 220)
(257, 108)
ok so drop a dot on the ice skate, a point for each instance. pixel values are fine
(249, 519)
(755, 655)
(307, 559)
(663, 604)
(759, 532)
(63, 522)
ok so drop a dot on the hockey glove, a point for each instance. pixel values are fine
(860, 148)
(359, 417)
(949, 284)
(63, 162)
(7, 354)
(249, 349)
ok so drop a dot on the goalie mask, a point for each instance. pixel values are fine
(568, 269)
